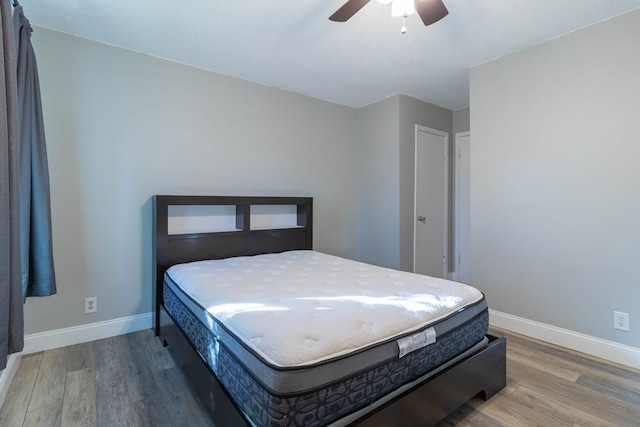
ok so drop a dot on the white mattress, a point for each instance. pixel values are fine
(327, 308)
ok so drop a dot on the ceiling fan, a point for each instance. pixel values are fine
(430, 11)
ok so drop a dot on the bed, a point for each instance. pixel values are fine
(381, 369)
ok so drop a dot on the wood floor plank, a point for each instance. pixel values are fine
(49, 387)
(79, 404)
(611, 389)
(577, 396)
(518, 348)
(159, 358)
(517, 411)
(132, 366)
(140, 416)
(624, 379)
(44, 416)
(184, 408)
(15, 407)
(468, 416)
(152, 396)
(81, 357)
(589, 362)
(552, 369)
(113, 409)
(566, 414)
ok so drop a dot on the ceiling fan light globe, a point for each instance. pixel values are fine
(402, 7)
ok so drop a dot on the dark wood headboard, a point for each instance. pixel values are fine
(170, 249)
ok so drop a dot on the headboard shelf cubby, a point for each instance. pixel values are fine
(235, 226)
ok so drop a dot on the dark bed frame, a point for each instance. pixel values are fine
(483, 372)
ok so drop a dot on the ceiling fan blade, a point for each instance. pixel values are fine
(431, 11)
(348, 10)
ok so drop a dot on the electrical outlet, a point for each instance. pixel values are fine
(91, 305)
(621, 320)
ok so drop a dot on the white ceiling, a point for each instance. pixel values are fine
(292, 45)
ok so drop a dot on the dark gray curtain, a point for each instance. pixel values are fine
(26, 254)
(38, 278)
(11, 297)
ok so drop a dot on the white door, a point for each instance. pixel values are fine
(462, 207)
(430, 230)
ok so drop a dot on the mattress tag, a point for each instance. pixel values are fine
(416, 341)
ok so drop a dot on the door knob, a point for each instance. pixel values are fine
(422, 219)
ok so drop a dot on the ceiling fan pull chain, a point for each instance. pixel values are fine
(404, 27)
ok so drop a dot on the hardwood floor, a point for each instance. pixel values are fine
(131, 380)
(551, 386)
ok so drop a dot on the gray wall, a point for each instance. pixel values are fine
(378, 183)
(555, 205)
(386, 135)
(461, 121)
(122, 126)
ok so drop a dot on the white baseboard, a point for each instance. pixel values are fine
(7, 374)
(84, 333)
(608, 350)
(604, 349)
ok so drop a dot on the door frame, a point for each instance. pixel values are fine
(456, 207)
(420, 128)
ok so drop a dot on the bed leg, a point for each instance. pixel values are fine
(497, 369)
(491, 391)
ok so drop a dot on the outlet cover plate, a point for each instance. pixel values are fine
(621, 320)
(91, 305)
